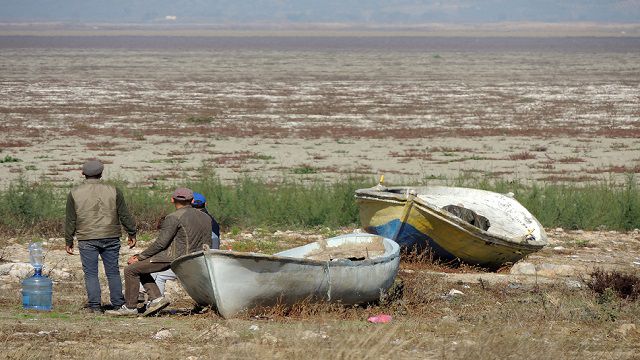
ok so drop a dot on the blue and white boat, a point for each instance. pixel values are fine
(417, 219)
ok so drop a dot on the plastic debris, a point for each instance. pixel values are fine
(380, 319)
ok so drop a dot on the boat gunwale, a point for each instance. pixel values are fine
(401, 198)
(342, 262)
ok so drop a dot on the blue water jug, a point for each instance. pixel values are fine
(37, 291)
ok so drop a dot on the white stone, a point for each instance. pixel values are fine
(449, 319)
(308, 334)
(162, 334)
(18, 270)
(172, 287)
(219, 331)
(573, 284)
(268, 339)
(5, 268)
(554, 270)
(559, 230)
(56, 274)
(454, 292)
(523, 268)
(625, 329)
(254, 327)
(558, 248)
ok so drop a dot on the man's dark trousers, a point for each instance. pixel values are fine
(108, 250)
(140, 273)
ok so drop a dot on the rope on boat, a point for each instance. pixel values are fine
(329, 280)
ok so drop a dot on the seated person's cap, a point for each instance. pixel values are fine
(92, 168)
(182, 194)
(198, 199)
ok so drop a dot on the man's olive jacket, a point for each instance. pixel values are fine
(182, 232)
(95, 210)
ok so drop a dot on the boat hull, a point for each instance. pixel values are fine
(416, 226)
(233, 282)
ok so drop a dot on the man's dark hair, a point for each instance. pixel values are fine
(182, 202)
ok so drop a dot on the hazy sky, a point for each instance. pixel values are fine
(319, 11)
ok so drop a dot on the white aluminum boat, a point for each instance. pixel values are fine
(348, 269)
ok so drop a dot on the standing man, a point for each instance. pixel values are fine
(182, 232)
(94, 213)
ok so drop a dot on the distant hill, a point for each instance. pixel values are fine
(319, 11)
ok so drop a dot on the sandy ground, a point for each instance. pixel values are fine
(560, 110)
(164, 159)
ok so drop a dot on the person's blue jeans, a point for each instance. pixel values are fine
(108, 250)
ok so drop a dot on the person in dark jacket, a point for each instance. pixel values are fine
(182, 232)
(94, 213)
(199, 202)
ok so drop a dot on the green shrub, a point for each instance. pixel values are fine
(304, 170)
(9, 159)
(200, 119)
(588, 206)
(31, 207)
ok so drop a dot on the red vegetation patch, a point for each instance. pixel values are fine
(616, 170)
(72, 162)
(103, 145)
(237, 157)
(525, 155)
(411, 154)
(14, 143)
